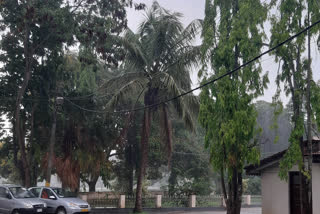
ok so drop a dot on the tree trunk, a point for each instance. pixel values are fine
(51, 146)
(32, 161)
(130, 157)
(144, 158)
(19, 136)
(131, 180)
(235, 193)
(131, 171)
(223, 186)
(309, 134)
(92, 183)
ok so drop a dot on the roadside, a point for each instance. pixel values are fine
(245, 210)
(256, 210)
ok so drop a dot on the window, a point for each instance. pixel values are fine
(36, 191)
(46, 193)
(3, 192)
(64, 193)
(20, 192)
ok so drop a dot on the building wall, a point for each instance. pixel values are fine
(275, 192)
(316, 187)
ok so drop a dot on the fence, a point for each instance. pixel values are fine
(104, 203)
(256, 200)
(159, 201)
(209, 201)
(174, 201)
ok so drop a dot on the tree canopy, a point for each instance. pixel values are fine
(227, 112)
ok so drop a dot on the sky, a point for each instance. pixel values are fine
(194, 9)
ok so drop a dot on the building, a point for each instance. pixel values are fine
(283, 197)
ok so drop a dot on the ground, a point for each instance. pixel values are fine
(217, 210)
(254, 210)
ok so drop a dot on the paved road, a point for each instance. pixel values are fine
(244, 210)
(255, 210)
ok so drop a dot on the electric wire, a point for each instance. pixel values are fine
(214, 80)
(192, 90)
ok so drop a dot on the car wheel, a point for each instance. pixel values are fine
(61, 211)
(15, 212)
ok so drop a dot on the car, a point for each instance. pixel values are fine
(15, 199)
(61, 201)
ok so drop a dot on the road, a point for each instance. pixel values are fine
(244, 210)
(255, 210)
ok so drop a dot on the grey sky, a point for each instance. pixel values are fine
(194, 9)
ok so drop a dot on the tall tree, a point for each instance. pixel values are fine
(157, 67)
(87, 138)
(296, 74)
(232, 34)
(30, 31)
(34, 32)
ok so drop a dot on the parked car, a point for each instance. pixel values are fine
(60, 201)
(15, 199)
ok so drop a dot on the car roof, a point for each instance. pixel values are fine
(10, 185)
(46, 187)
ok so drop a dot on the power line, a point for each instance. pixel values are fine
(85, 109)
(220, 77)
(197, 88)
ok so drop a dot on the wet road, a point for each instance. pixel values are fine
(255, 210)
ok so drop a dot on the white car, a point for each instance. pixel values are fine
(15, 199)
(61, 201)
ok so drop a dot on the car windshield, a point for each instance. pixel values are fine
(64, 193)
(20, 192)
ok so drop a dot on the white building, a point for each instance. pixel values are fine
(283, 197)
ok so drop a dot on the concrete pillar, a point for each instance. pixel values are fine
(122, 201)
(223, 202)
(84, 197)
(192, 201)
(158, 201)
(248, 199)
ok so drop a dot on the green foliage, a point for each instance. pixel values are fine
(252, 185)
(278, 109)
(6, 161)
(315, 102)
(227, 112)
(190, 171)
(38, 34)
(157, 67)
(294, 69)
(94, 134)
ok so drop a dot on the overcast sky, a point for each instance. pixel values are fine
(194, 9)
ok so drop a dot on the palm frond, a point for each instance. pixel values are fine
(134, 56)
(191, 31)
(185, 57)
(117, 82)
(126, 92)
(187, 106)
(190, 56)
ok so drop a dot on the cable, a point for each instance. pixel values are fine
(222, 76)
(207, 83)
(190, 153)
(84, 109)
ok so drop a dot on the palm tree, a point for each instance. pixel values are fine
(156, 67)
